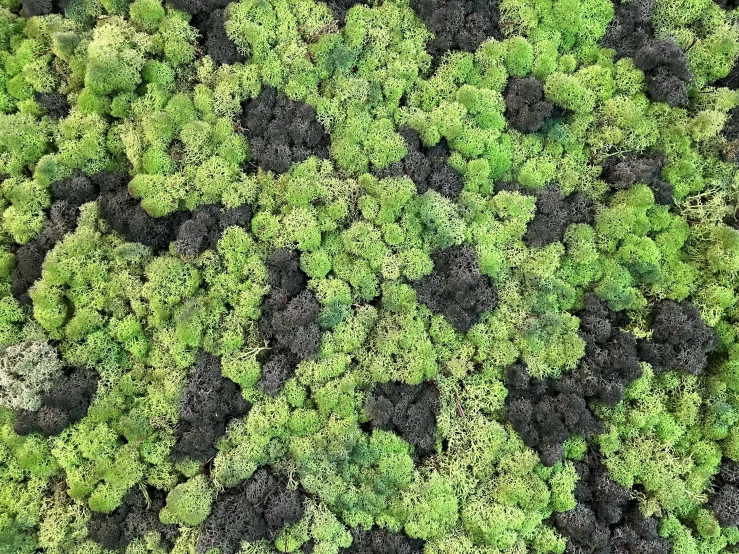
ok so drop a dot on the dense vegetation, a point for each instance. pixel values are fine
(382, 277)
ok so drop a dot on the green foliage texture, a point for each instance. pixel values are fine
(145, 100)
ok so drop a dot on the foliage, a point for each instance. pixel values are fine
(416, 276)
(26, 371)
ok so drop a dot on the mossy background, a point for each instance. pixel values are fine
(146, 99)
